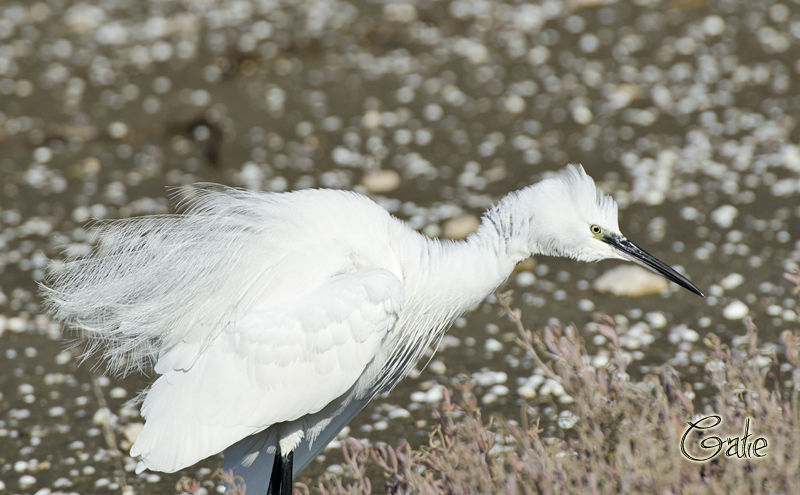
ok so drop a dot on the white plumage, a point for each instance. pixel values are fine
(272, 319)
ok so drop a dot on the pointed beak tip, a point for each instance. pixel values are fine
(686, 284)
(698, 292)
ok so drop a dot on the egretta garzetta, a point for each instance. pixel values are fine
(272, 319)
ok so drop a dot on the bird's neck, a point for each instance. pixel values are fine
(463, 273)
(503, 233)
(442, 280)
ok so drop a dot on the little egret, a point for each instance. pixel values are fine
(271, 319)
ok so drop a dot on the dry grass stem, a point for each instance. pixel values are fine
(627, 435)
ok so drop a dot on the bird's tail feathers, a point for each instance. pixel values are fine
(151, 282)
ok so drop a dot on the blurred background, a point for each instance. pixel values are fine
(686, 111)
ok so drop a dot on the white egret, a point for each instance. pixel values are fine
(272, 319)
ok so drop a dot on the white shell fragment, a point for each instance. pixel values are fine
(381, 181)
(460, 227)
(731, 281)
(736, 310)
(630, 281)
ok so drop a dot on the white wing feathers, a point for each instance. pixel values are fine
(274, 364)
(154, 282)
(249, 318)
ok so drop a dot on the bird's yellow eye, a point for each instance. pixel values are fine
(596, 229)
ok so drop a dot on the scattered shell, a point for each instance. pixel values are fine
(489, 378)
(131, 431)
(437, 367)
(372, 119)
(118, 130)
(630, 281)
(460, 227)
(724, 215)
(104, 416)
(567, 419)
(400, 12)
(26, 481)
(493, 345)
(117, 393)
(551, 387)
(525, 279)
(528, 387)
(433, 395)
(381, 181)
(735, 310)
(399, 412)
(731, 281)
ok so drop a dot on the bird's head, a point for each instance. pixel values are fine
(573, 219)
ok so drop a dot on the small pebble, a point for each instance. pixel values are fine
(372, 119)
(656, 319)
(104, 416)
(62, 483)
(731, 281)
(399, 412)
(630, 281)
(601, 359)
(525, 279)
(551, 387)
(381, 181)
(528, 386)
(131, 431)
(26, 481)
(430, 396)
(437, 366)
(56, 411)
(489, 378)
(460, 227)
(63, 357)
(117, 393)
(493, 345)
(582, 115)
(118, 130)
(567, 419)
(499, 390)
(736, 310)
(724, 216)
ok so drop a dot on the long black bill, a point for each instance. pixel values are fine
(634, 253)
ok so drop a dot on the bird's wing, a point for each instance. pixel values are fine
(274, 364)
(153, 283)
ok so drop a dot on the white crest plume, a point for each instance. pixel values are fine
(587, 199)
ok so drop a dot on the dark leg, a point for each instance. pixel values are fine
(277, 471)
(286, 479)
